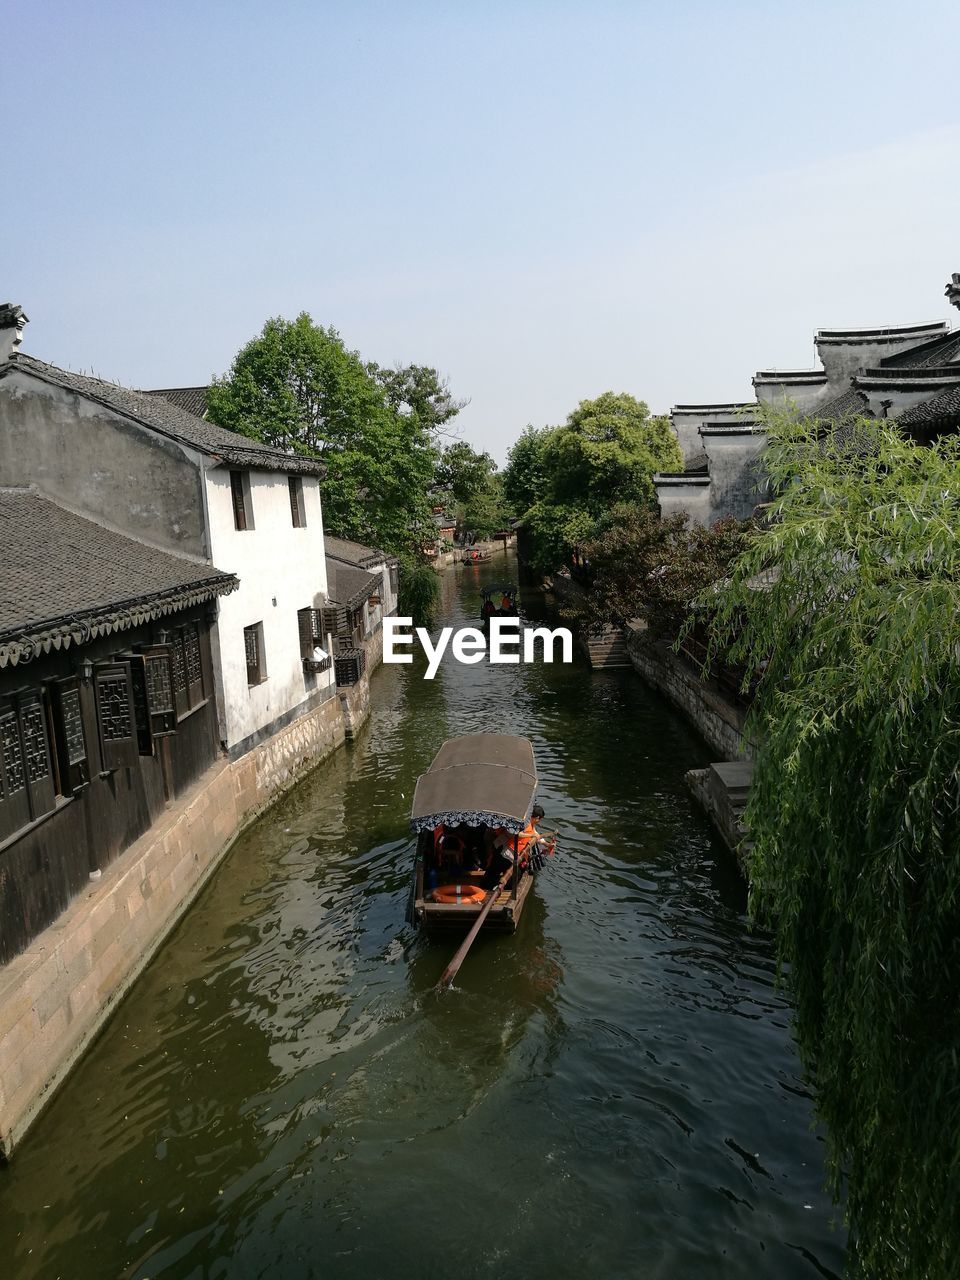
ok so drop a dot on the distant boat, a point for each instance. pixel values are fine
(470, 556)
(493, 596)
(469, 810)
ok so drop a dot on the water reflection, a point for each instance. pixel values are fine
(612, 1090)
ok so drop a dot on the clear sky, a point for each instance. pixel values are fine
(544, 200)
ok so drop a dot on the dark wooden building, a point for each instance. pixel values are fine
(106, 699)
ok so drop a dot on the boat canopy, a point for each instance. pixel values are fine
(482, 779)
(498, 589)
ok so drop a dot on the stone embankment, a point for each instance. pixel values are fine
(722, 787)
(603, 648)
(57, 994)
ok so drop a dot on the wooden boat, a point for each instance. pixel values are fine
(475, 557)
(477, 795)
(492, 597)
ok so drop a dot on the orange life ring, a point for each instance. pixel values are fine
(459, 893)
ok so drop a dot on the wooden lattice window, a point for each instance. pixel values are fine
(70, 737)
(193, 663)
(14, 798)
(297, 512)
(256, 659)
(27, 789)
(185, 671)
(158, 678)
(116, 719)
(242, 506)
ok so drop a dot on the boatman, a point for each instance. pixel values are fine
(527, 837)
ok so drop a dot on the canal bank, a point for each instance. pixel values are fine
(614, 1088)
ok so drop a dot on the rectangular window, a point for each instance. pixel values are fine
(27, 789)
(116, 718)
(242, 506)
(70, 740)
(313, 650)
(296, 502)
(184, 671)
(256, 660)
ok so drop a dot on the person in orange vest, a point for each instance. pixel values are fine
(518, 846)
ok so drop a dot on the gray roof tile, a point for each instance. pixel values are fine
(160, 415)
(355, 552)
(62, 574)
(347, 586)
(192, 399)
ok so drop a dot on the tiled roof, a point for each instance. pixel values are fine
(158, 414)
(355, 552)
(192, 399)
(944, 350)
(945, 406)
(851, 403)
(64, 578)
(347, 586)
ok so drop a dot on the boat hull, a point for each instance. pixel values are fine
(503, 916)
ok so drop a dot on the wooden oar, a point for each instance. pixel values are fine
(450, 972)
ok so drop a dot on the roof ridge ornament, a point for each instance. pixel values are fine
(952, 290)
(12, 320)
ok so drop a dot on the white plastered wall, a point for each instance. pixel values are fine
(281, 570)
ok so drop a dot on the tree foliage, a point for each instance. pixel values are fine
(640, 566)
(297, 387)
(846, 609)
(605, 454)
(420, 593)
(525, 475)
(471, 485)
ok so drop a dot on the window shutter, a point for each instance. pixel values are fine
(141, 710)
(329, 623)
(14, 801)
(158, 674)
(193, 663)
(180, 700)
(113, 690)
(36, 753)
(306, 623)
(239, 507)
(72, 741)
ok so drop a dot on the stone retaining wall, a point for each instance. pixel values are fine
(57, 995)
(718, 720)
(355, 705)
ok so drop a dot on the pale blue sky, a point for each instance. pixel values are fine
(543, 200)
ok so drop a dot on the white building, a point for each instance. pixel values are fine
(160, 474)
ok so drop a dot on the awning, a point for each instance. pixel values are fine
(482, 779)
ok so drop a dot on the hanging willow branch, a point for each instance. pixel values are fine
(846, 610)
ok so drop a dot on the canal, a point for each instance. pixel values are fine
(611, 1092)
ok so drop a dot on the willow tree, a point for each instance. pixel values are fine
(847, 607)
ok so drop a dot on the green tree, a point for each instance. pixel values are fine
(847, 610)
(471, 486)
(297, 387)
(524, 476)
(608, 453)
(418, 390)
(605, 454)
(643, 567)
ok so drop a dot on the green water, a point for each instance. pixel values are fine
(611, 1092)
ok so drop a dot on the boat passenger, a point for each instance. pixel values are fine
(488, 610)
(506, 605)
(530, 835)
